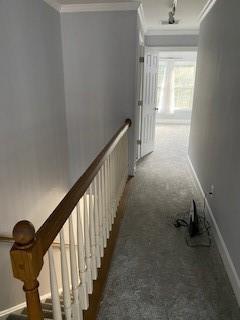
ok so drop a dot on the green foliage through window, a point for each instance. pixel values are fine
(181, 82)
(183, 86)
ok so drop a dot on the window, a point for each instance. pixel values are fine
(183, 85)
(175, 85)
(161, 75)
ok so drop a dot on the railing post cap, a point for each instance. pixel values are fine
(24, 233)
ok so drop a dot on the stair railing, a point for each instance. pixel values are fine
(85, 216)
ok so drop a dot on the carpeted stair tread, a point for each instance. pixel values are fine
(20, 317)
(49, 301)
(47, 308)
(47, 313)
(16, 317)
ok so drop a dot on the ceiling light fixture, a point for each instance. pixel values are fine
(171, 18)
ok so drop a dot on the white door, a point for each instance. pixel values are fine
(140, 76)
(149, 108)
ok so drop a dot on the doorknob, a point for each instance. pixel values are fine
(156, 109)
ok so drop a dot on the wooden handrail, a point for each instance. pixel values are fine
(29, 248)
(50, 229)
(11, 240)
(6, 239)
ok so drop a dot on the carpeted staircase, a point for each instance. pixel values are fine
(47, 311)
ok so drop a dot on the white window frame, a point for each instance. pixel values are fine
(186, 63)
(174, 61)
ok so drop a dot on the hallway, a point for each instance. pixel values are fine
(154, 274)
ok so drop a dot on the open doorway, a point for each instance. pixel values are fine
(175, 87)
(175, 91)
(168, 89)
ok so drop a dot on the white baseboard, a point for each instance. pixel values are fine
(21, 306)
(223, 250)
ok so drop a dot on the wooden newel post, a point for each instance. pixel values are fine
(27, 262)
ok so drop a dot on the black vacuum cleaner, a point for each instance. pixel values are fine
(193, 222)
(193, 225)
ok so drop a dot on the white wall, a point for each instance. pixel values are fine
(214, 138)
(99, 50)
(33, 157)
(99, 55)
(95, 56)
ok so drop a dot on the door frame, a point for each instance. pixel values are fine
(140, 68)
(139, 97)
(139, 100)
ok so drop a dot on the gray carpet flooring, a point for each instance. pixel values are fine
(154, 274)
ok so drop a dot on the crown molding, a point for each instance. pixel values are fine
(54, 4)
(172, 32)
(205, 11)
(90, 7)
(93, 7)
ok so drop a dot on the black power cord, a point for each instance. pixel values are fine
(180, 223)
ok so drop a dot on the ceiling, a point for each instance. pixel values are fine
(187, 13)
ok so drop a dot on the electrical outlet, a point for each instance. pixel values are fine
(211, 192)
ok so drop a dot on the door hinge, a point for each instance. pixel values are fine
(139, 142)
(141, 59)
(140, 103)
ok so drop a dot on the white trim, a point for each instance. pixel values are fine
(172, 32)
(54, 4)
(21, 305)
(205, 11)
(173, 49)
(223, 250)
(93, 7)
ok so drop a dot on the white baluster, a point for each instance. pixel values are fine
(57, 313)
(74, 273)
(114, 182)
(111, 187)
(122, 151)
(92, 234)
(119, 173)
(87, 243)
(123, 165)
(105, 198)
(126, 156)
(108, 186)
(103, 208)
(84, 300)
(65, 280)
(100, 212)
(117, 176)
(96, 220)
